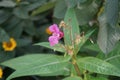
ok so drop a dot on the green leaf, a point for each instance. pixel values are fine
(38, 64)
(57, 47)
(4, 16)
(107, 36)
(34, 5)
(71, 3)
(93, 47)
(3, 35)
(113, 57)
(82, 1)
(83, 40)
(84, 8)
(109, 33)
(60, 9)
(43, 8)
(23, 42)
(17, 29)
(96, 65)
(72, 28)
(11, 23)
(86, 11)
(29, 27)
(96, 78)
(7, 3)
(6, 55)
(21, 12)
(14, 26)
(99, 78)
(73, 78)
(112, 12)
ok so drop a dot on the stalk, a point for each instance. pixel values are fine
(75, 65)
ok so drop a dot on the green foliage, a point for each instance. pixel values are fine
(89, 47)
(97, 78)
(98, 66)
(4, 56)
(113, 57)
(72, 27)
(38, 64)
(7, 3)
(17, 21)
(21, 12)
(85, 9)
(43, 8)
(58, 47)
(85, 38)
(4, 15)
(60, 9)
(3, 35)
(22, 42)
(109, 33)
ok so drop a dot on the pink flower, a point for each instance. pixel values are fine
(59, 35)
(53, 40)
(56, 35)
(54, 28)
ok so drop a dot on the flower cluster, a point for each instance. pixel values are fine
(56, 35)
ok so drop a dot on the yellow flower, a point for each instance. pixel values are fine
(9, 46)
(1, 72)
(48, 31)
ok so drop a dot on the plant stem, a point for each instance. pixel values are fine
(75, 65)
(85, 76)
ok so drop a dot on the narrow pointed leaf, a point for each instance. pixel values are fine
(57, 47)
(96, 65)
(43, 8)
(83, 40)
(72, 28)
(38, 64)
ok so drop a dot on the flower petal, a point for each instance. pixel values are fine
(53, 40)
(54, 28)
(61, 34)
